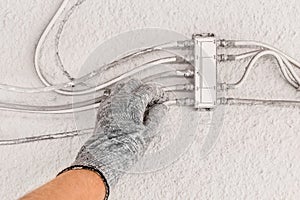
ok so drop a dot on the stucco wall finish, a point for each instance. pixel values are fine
(257, 153)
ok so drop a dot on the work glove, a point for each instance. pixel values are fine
(127, 121)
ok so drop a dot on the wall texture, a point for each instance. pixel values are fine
(257, 153)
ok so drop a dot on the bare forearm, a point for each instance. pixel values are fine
(127, 120)
(73, 185)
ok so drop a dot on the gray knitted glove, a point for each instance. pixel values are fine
(126, 122)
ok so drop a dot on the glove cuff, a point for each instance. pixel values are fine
(91, 168)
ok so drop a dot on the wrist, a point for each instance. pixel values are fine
(90, 178)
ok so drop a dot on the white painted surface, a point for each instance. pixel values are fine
(257, 153)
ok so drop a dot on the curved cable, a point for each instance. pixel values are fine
(234, 57)
(87, 77)
(132, 72)
(74, 133)
(58, 35)
(43, 37)
(246, 55)
(250, 43)
(59, 88)
(98, 71)
(287, 74)
(53, 136)
(78, 106)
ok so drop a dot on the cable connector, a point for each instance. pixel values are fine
(223, 100)
(188, 87)
(179, 87)
(185, 73)
(225, 86)
(189, 73)
(185, 102)
(222, 86)
(225, 57)
(224, 43)
(185, 59)
(185, 44)
(70, 84)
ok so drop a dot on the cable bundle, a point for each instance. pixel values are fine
(286, 65)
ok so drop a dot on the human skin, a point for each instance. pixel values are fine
(126, 123)
(71, 185)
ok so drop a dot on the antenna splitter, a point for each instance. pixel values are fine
(205, 65)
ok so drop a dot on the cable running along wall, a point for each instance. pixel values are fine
(202, 57)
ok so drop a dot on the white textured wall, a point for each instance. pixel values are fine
(257, 154)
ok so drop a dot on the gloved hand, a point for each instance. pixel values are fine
(127, 120)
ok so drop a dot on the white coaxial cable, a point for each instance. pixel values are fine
(179, 87)
(246, 55)
(57, 109)
(181, 102)
(249, 43)
(253, 101)
(43, 37)
(60, 88)
(171, 73)
(132, 72)
(75, 107)
(253, 62)
(291, 70)
(234, 57)
(52, 136)
(87, 77)
(74, 133)
(108, 66)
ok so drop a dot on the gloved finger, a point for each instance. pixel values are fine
(114, 89)
(154, 117)
(129, 87)
(107, 95)
(117, 99)
(145, 95)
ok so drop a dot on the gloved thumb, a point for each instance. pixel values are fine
(154, 117)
